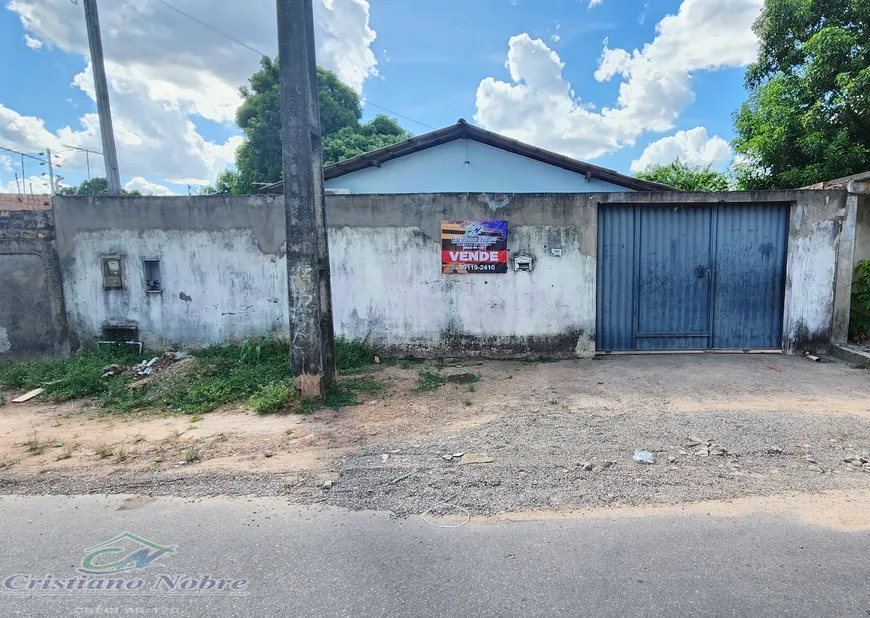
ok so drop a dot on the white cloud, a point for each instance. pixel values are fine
(656, 81)
(146, 187)
(37, 185)
(164, 69)
(594, 3)
(31, 42)
(555, 38)
(693, 147)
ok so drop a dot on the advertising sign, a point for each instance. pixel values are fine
(470, 247)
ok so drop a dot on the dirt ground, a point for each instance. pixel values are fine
(559, 436)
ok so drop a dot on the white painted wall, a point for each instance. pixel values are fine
(442, 169)
(235, 290)
(388, 287)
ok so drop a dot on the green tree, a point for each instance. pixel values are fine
(93, 186)
(807, 118)
(258, 159)
(686, 177)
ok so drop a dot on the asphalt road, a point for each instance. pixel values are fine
(289, 561)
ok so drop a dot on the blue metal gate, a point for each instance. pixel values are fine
(691, 277)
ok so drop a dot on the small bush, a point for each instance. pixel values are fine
(429, 381)
(271, 398)
(351, 356)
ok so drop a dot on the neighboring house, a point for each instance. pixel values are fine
(463, 158)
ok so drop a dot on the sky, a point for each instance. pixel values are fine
(620, 83)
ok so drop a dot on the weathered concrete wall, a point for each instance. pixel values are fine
(221, 261)
(223, 268)
(387, 283)
(32, 320)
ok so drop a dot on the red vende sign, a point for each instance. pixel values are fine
(474, 257)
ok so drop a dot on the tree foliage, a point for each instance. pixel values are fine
(258, 159)
(807, 119)
(687, 177)
(93, 186)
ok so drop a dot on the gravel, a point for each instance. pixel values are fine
(551, 459)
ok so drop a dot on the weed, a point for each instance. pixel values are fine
(64, 454)
(429, 381)
(104, 451)
(221, 437)
(8, 463)
(271, 398)
(43, 470)
(290, 433)
(471, 388)
(406, 362)
(353, 355)
(195, 418)
(58, 445)
(177, 433)
(863, 366)
(139, 437)
(467, 403)
(192, 454)
(553, 402)
(365, 384)
(2, 399)
(34, 445)
(122, 453)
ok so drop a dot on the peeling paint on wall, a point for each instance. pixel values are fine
(5, 345)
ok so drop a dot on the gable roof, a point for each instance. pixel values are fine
(463, 130)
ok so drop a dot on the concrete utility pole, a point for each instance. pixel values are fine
(50, 170)
(312, 345)
(110, 156)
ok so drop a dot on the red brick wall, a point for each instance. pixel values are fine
(13, 201)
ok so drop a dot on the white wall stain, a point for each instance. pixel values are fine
(5, 344)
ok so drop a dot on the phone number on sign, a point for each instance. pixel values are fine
(479, 267)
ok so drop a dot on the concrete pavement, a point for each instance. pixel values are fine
(326, 562)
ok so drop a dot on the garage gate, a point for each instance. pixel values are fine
(691, 277)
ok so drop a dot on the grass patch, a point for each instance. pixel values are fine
(467, 403)
(351, 356)
(64, 454)
(541, 359)
(257, 371)
(191, 455)
(272, 397)
(71, 377)
(339, 396)
(365, 384)
(429, 381)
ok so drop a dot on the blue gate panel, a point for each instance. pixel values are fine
(751, 245)
(615, 294)
(673, 281)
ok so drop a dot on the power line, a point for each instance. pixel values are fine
(212, 28)
(398, 114)
(261, 54)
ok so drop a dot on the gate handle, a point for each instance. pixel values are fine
(701, 272)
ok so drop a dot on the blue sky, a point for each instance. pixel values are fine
(623, 84)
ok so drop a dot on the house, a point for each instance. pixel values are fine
(463, 158)
(519, 253)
